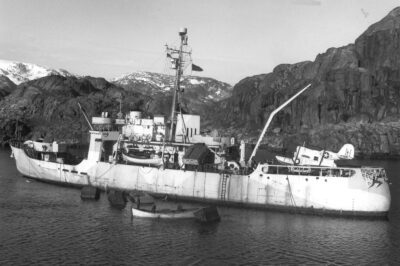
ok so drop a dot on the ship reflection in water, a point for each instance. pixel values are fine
(46, 224)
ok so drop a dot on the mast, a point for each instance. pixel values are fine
(270, 119)
(177, 64)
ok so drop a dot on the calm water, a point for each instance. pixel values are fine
(47, 224)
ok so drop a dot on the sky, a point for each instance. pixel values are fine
(230, 39)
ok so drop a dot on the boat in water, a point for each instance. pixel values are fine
(202, 214)
(171, 157)
(165, 213)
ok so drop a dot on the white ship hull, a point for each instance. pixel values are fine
(355, 195)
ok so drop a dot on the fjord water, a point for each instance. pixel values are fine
(44, 224)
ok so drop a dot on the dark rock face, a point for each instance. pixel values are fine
(6, 86)
(355, 96)
(48, 107)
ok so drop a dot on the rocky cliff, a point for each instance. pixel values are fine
(355, 96)
(6, 86)
(48, 107)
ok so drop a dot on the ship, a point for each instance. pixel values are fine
(171, 157)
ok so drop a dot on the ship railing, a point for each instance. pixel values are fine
(212, 168)
(215, 168)
(345, 172)
(30, 152)
(374, 173)
(106, 128)
(241, 171)
(65, 157)
(209, 168)
(16, 143)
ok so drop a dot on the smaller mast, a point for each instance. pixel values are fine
(120, 114)
(270, 119)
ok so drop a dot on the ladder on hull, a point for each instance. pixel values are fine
(224, 182)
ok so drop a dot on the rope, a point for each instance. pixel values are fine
(291, 194)
(142, 171)
(105, 172)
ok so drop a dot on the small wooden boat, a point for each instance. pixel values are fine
(165, 213)
(204, 214)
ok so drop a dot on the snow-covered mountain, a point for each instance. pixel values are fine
(150, 83)
(201, 95)
(19, 72)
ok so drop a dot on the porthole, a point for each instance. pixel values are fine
(265, 169)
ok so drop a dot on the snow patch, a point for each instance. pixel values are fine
(143, 79)
(155, 79)
(19, 72)
(196, 81)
